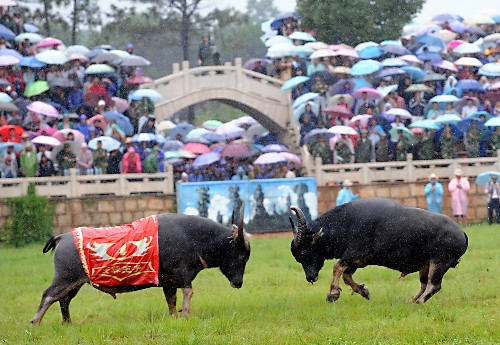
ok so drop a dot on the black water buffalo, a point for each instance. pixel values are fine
(378, 232)
(186, 244)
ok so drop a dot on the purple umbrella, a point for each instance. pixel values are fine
(339, 86)
(181, 129)
(250, 64)
(470, 84)
(394, 49)
(270, 158)
(275, 148)
(463, 101)
(172, 145)
(459, 27)
(206, 159)
(444, 17)
(10, 52)
(444, 64)
(391, 71)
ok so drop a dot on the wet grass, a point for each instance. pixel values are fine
(275, 306)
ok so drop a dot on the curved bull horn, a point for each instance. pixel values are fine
(302, 226)
(240, 222)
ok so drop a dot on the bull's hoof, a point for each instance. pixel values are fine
(333, 297)
(35, 323)
(184, 313)
(364, 291)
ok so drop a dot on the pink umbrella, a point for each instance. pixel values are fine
(121, 104)
(7, 60)
(49, 42)
(453, 44)
(362, 118)
(417, 130)
(347, 52)
(49, 131)
(290, 157)
(444, 64)
(77, 57)
(495, 86)
(63, 133)
(43, 108)
(236, 150)
(101, 118)
(338, 110)
(140, 80)
(371, 93)
(196, 148)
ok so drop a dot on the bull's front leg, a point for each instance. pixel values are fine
(338, 271)
(171, 297)
(186, 301)
(358, 288)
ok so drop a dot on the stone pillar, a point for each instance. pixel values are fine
(175, 68)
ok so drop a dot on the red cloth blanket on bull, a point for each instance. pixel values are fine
(120, 255)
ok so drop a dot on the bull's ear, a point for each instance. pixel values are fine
(317, 236)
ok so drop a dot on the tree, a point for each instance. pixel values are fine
(356, 21)
(84, 12)
(261, 10)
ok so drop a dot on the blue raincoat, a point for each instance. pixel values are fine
(434, 200)
(345, 195)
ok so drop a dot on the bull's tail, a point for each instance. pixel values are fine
(466, 246)
(51, 243)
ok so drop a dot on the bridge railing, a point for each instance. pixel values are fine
(405, 171)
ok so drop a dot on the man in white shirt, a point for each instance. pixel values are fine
(492, 190)
(468, 109)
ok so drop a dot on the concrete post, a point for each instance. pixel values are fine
(73, 184)
(365, 174)
(239, 73)
(175, 68)
(498, 160)
(411, 177)
(318, 171)
(170, 179)
(121, 185)
(186, 77)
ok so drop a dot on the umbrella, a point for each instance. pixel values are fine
(212, 137)
(370, 52)
(394, 49)
(91, 98)
(483, 178)
(493, 97)
(492, 38)
(393, 112)
(406, 132)
(431, 40)
(7, 106)
(290, 157)
(74, 146)
(387, 72)
(105, 55)
(43, 108)
(121, 121)
(245, 120)
(342, 130)
(120, 104)
(470, 84)
(7, 60)
(477, 114)
(349, 100)
(432, 77)
(341, 70)
(495, 86)
(62, 134)
(236, 150)
(394, 62)
(99, 69)
(145, 93)
(467, 48)
(479, 20)
(371, 94)
(280, 50)
(5, 97)
(411, 59)
(230, 130)
(290, 84)
(364, 45)
(276, 23)
(419, 88)
(463, 101)
(140, 80)
(31, 61)
(304, 98)
(6, 33)
(181, 129)
(322, 53)
(206, 159)
(415, 73)
(49, 131)
(302, 36)
(468, 61)
(135, 61)
(270, 158)
(493, 122)
(363, 119)
(49, 42)
(77, 49)
(347, 52)
(444, 17)
(251, 64)
(165, 125)
(37, 88)
(491, 69)
(447, 119)
(445, 64)
(277, 40)
(17, 147)
(52, 57)
(464, 125)
(453, 44)
(10, 52)
(172, 145)
(5, 131)
(196, 132)
(446, 35)
(144, 137)
(311, 136)
(444, 99)
(365, 67)
(275, 148)
(108, 143)
(100, 118)
(384, 91)
(196, 148)
(426, 124)
(31, 37)
(212, 124)
(46, 140)
(338, 110)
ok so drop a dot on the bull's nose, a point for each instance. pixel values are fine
(312, 280)
(237, 285)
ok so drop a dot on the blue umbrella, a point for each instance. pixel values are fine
(144, 137)
(121, 120)
(395, 49)
(454, 130)
(31, 61)
(290, 84)
(30, 28)
(304, 98)
(365, 67)
(360, 83)
(448, 119)
(370, 52)
(496, 19)
(148, 93)
(10, 52)
(301, 109)
(387, 90)
(431, 40)
(483, 178)
(200, 140)
(108, 143)
(6, 33)
(206, 159)
(479, 113)
(430, 56)
(415, 73)
(311, 136)
(172, 145)
(5, 97)
(386, 72)
(303, 36)
(17, 147)
(276, 23)
(181, 129)
(470, 84)
(426, 124)
(457, 90)
(464, 125)
(493, 122)
(213, 137)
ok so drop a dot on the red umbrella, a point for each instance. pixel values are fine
(101, 118)
(5, 131)
(140, 80)
(91, 98)
(196, 148)
(236, 150)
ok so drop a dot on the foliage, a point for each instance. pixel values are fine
(86, 12)
(31, 219)
(261, 10)
(275, 305)
(353, 22)
(213, 110)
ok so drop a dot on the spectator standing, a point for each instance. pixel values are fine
(345, 194)
(434, 193)
(402, 146)
(131, 162)
(493, 191)
(447, 143)
(322, 149)
(8, 169)
(45, 167)
(114, 161)
(459, 187)
(151, 162)
(473, 139)
(100, 159)
(65, 159)
(85, 160)
(28, 162)
(363, 150)
(426, 146)
(205, 51)
(382, 148)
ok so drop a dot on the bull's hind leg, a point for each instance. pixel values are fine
(424, 278)
(57, 290)
(334, 293)
(171, 297)
(65, 301)
(358, 288)
(435, 277)
(187, 293)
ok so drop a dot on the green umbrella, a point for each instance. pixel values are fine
(99, 69)
(212, 124)
(406, 132)
(38, 87)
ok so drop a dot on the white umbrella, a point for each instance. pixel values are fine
(52, 57)
(46, 140)
(468, 61)
(393, 112)
(230, 130)
(277, 40)
(467, 48)
(281, 50)
(342, 130)
(321, 53)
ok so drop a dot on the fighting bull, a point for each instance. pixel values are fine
(378, 232)
(186, 245)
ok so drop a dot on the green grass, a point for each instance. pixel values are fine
(275, 306)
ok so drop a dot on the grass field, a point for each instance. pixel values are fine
(275, 306)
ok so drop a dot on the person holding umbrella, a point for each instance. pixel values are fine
(434, 193)
(459, 187)
(493, 191)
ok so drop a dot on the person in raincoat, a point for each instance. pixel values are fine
(322, 149)
(473, 140)
(434, 193)
(459, 187)
(151, 162)
(382, 148)
(402, 146)
(447, 143)
(342, 152)
(345, 194)
(131, 163)
(426, 146)
(28, 162)
(65, 159)
(494, 141)
(363, 150)
(100, 159)
(85, 160)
